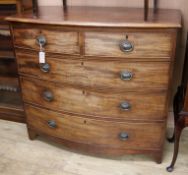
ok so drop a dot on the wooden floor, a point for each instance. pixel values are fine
(20, 156)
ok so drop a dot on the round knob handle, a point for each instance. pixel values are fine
(52, 124)
(125, 106)
(48, 96)
(125, 75)
(45, 67)
(123, 136)
(126, 46)
(41, 40)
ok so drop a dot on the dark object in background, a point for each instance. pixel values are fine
(146, 8)
(35, 6)
(180, 110)
(11, 107)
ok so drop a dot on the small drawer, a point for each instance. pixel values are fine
(114, 75)
(129, 45)
(52, 40)
(120, 105)
(100, 133)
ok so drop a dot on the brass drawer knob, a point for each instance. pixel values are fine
(48, 96)
(41, 40)
(45, 67)
(126, 75)
(123, 136)
(126, 46)
(125, 106)
(52, 124)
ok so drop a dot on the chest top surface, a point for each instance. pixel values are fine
(101, 17)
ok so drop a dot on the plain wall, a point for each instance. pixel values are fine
(171, 4)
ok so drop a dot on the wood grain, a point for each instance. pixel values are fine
(53, 159)
(146, 45)
(103, 104)
(146, 75)
(95, 132)
(8, 67)
(58, 41)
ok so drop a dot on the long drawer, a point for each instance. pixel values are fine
(96, 74)
(129, 44)
(104, 104)
(53, 40)
(96, 132)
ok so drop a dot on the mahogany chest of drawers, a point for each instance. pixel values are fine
(103, 86)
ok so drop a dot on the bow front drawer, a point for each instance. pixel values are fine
(95, 132)
(120, 105)
(129, 45)
(114, 75)
(51, 40)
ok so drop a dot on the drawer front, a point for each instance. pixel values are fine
(96, 132)
(97, 74)
(104, 104)
(129, 45)
(56, 41)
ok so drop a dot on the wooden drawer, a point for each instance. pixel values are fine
(97, 74)
(104, 104)
(57, 40)
(96, 132)
(135, 45)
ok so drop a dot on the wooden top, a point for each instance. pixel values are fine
(101, 17)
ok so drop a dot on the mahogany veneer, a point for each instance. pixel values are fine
(109, 71)
(11, 106)
(104, 85)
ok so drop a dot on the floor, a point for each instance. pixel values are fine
(20, 156)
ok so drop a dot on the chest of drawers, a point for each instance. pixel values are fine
(105, 83)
